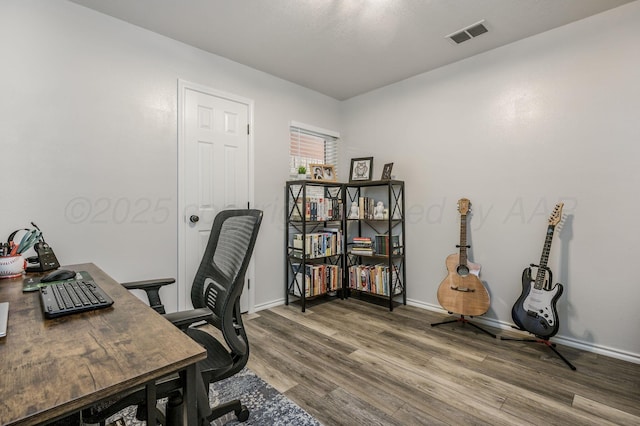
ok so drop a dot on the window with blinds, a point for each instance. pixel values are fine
(312, 146)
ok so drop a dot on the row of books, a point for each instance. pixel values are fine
(318, 244)
(374, 279)
(366, 206)
(317, 279)
(386, 244)
(382, 245)
(317, 209)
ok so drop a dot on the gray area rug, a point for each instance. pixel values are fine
(266, 405)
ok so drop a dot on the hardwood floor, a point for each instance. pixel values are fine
(349, 362)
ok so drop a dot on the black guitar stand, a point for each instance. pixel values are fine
(544, 341)
(463, 320)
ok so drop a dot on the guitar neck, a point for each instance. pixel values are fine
(544, 259)
(463, 239)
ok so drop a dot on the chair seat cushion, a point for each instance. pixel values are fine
(218, 359)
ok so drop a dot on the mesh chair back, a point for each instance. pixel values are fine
(219, 280)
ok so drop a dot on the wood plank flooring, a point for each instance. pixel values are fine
(350, 362)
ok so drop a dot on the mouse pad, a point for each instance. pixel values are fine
(33, 283)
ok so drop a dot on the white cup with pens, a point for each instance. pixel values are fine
(12, 264)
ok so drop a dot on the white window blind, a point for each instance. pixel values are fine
(309, 145)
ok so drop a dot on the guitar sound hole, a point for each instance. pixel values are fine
(462, 270)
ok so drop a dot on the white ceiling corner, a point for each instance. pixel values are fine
(343, 48)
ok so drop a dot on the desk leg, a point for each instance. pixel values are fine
(150, 391)
(190, 407)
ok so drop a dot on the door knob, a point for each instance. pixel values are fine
(194, 218)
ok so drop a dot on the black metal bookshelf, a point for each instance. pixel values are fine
(313, 208)
(380, 272)
(314, 240)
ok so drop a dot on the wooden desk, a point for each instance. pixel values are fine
(52, 367)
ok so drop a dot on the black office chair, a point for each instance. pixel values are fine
(215, 295)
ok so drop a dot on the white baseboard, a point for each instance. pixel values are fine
(268, 305)
(567, 341)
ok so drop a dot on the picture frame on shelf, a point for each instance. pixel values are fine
(329, 173)
(361, 169)
(386, 171)
(323, 172)
(317, 171)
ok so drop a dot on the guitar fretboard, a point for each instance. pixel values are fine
(463, 239)
(544, 259)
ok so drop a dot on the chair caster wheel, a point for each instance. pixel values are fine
(242, 414)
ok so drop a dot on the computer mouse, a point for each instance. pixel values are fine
(59, 275)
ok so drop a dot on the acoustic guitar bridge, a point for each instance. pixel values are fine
(463, 289)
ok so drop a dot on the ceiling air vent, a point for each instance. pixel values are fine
(468, 33)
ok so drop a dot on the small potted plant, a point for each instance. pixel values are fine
(302, 172)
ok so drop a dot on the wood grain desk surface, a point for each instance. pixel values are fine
(49, 367)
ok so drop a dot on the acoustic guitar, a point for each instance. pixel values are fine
(535, 309)
(462, 292)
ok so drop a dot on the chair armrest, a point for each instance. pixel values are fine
(142, 285)
(184, 319)
(152, 288)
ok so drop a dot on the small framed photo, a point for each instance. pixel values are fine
(328, 173)
(361, 169)
(386, 171)
(317, 171)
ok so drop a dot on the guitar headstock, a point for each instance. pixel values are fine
(464, 205)
(556, 214)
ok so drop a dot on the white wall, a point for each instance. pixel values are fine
(553, 117)
(88, 136)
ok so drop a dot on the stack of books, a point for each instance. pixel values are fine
(362, 246)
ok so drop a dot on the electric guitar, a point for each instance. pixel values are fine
(462, 292)
(535, 309)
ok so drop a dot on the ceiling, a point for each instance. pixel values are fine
(344, 48)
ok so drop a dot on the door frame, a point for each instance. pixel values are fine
(183, 288)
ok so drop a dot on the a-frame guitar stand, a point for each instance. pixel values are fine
(544, 341)
(463, 320)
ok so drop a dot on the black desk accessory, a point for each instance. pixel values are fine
(70, 296)
(44, 260)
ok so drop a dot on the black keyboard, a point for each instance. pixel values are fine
(70, 296)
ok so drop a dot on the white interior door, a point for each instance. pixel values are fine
(215, 171)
